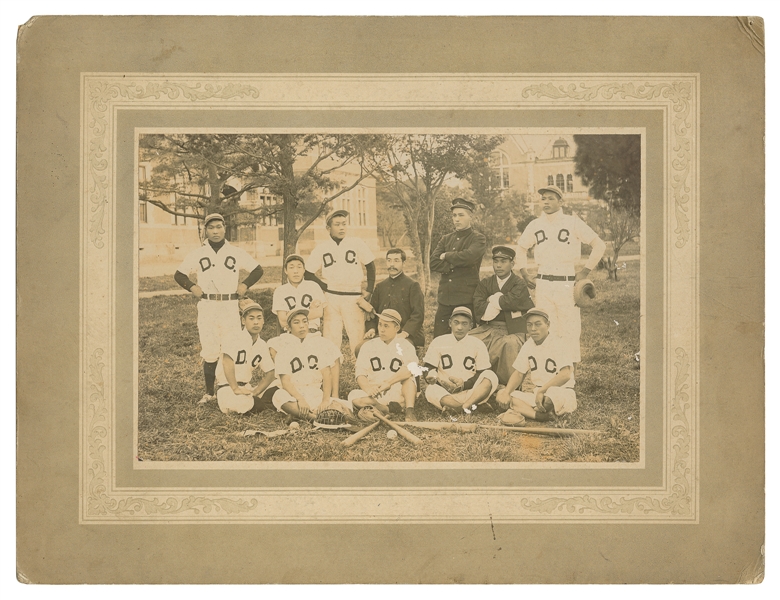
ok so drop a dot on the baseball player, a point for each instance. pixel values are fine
(382, 371)
(298, 292)
(458, 364)
(304, 369)
(217, 264)
(457, 257)
(499, 303)
(557, 238)
(549, 362)
(342, 259)
(241, 355)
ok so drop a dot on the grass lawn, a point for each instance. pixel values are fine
(173, 427)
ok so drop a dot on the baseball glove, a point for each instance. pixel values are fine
(332, 418)
(243, 302)
(365, 306)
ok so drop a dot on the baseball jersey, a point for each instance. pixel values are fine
(460, 359)
(287, 297)
(303, 360)
(544, 361)
(278, 342)
(557, 238)
(246, 355)
(379, 361)
(217, 271)
(341, 264)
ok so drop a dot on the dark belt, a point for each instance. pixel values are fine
(240, 383)
(220, 296)
(335, 293)
(555, 277)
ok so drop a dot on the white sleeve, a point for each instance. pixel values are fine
(583, 232)
(526, 240)
(282, 365)
(433, 355)
(363, 363)
(521, 362)
(364, 253)
(245, 260)
(314, 260)
(562, 356)
(329, 352)
(190, 262)
(266, 362)
(232, 346)
(482, 357)
(278, 301)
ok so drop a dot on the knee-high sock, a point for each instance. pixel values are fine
(210, 374)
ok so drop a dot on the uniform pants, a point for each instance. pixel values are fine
(503, 347)
(218, 320)
(564, 399)
(391, 395)
(434, 393)
(441, 322)
(312, 394)
(230, 402)
(342, 312)
(556, 298)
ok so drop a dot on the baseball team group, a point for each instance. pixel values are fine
(488, 335)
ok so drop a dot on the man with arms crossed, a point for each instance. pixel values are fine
(457, 257)
(549, 362)
(557, 238)
(382, 370)
(458, 367)
(499, 302)
(217, 264)
(342, 259)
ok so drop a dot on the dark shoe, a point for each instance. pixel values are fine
(395, 408)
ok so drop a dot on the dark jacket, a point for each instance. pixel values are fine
(404, 295)
(514, 303)
(463, 252)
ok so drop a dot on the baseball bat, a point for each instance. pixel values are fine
(360, 434)
(552, 431)
(409, 437)
(460, 427)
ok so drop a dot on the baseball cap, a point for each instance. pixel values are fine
(293, 257)
(295, 312)
(462, 310)
(213, 217)
(463, 203)
(336, 213)
(537, 311)
(551, 188)
(250, 307)
(391, 315)
(503, 252)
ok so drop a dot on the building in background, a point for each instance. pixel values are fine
(165, 239)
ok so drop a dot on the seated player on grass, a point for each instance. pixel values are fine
(459, 376)
(298, 293)
(241, 355)
(382, 371)
(304, 366)
(550, 365)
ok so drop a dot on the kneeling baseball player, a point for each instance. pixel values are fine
(385, 381)
(550, 365)
(241, 355)
(305, 369)
(459, 375)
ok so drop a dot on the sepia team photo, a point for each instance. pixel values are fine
(389, 297)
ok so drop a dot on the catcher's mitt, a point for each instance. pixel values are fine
(365, 306)
(331, 418)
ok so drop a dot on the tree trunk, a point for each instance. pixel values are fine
(289, 213)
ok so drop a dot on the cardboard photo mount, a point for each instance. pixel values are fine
(701, 115)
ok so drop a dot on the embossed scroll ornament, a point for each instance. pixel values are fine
(105, 96)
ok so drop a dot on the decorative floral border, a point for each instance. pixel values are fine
(103, 94)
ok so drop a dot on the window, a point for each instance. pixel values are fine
(142, 213)
(559, 181)
(499, 164)
(550, 180)
(271, 220)
(569, 183)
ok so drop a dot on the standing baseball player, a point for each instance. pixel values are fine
(499, 303)
(298, 292)
(341, 259)
(458, 367)
(217, 264)
(304, 370)
(457, 257)
(382, 370)
(241, 355)
(556, 239)
(549, 362)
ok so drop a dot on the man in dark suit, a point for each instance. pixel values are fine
(500, 301)
(457, 257)
(401, 293)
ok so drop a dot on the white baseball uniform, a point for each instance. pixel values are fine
(557, 240)
(342, 269)
(544, 362)
(288, 297)
(218, 273)
(247, 356)
(303, 360)
(461, 359)
(380, 361)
